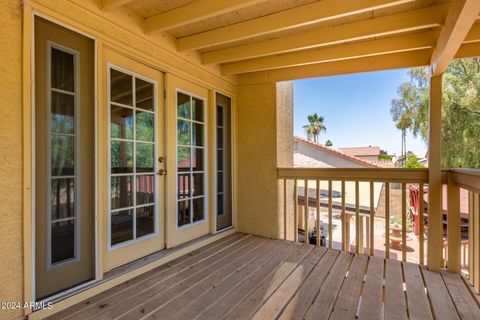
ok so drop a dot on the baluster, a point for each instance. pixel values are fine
(404, 222)
(318, 211)
(345, 241)
(330, 215)
(295, 218)
(306, 213)
(285, 209)
(471, 246)
(476, 242)
(387, 220)
(372, 220)
(422, 225)
(453, 227)
(357, 217)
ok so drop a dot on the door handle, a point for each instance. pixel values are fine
(162, 172)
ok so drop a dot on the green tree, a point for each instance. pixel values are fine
(384, 156)
(412, 161)
(460, 110)
(314, 127)
(328, 143)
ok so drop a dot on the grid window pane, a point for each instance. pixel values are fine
(145, 218)
(62, 241)
(62, 155)
(183, 212)
(198, 209)
(197, 109)
(183, 186)
(220, 210)
(220, 138)
(198, 130)
(144, 96)
(197, 159)
(197, 185)
(121, 122)
(121, 192)
(121, 87)
(121, 157)
(63, 113)
(145, 189)
(220, 116)
(121, 226)
(183, 129)
(62, 198)
(183, 105)
(219, 159)
(184, 159)
(220, 182)
(145, 126)
(145, 157)
(62, 69)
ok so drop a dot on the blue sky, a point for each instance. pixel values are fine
(356, 109)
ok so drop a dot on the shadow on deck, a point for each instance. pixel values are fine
(244, 276)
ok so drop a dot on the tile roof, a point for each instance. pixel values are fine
(362, 151)
(340, 153)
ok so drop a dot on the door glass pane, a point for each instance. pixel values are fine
(62, 198)
(220, 210)
(220, 181)
(121, 226)
(219, 116)
(197, 109)
(183, 212)
(62, 241)
(121, 192)
(198, 209)
(145, 218)
(121, 122)
(145, 124)
(63, 112)
(183, 129)
(183, 106)
(62, 155)
(220, 138)
(184, 159)
(197, 134)
(144, 94)
(62, 73)
(121, 87)
(145, 189)
(145, 157)
(183, 186)
(197, 185)
(122, 157)
(197, 159)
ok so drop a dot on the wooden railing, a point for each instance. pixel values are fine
(350, 184)
(355, 194)
(460, 252)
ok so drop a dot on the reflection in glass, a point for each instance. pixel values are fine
(183, 159)
(121, 157)
(183, 105)
(197, 159)
(197, 134)
(121, 192)
(144, 94)
(121, 226)
(145, 189)
(183, 212)
(219, 116)
(197, 109)
(183, 129)
(63, 155)
(197, 184)
(63, 75)
(120, 87)
(220, 138)
(198, 209)
(145, 124)
(219, 159)
(63, 113)
(145, 157)
(219, 181)
(121, 122)
(62, 198)
(62, 241)
(183, 186)
(145, 218)
(220, 210)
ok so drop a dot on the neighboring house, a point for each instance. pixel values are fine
(367, 153)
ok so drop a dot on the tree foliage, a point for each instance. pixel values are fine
(412, 161)
(314, 127)
(328, 143)
(460, 110)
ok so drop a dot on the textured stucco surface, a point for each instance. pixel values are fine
(11, 267)
(264, 139)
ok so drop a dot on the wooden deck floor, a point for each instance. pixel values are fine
(249, 277)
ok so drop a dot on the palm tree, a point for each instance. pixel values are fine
(314, 127)
(403, 124)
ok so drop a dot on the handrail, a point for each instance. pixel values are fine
(356, 174)
(466, 178)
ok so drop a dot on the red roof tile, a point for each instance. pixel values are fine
(362, 151)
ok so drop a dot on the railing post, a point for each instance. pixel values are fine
(435, 210)
(453, 226)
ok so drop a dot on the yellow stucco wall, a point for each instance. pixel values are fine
(262, 111)
(11, 233)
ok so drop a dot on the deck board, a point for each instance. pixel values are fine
(250, 277)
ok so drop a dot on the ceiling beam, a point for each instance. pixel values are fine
(360, 30)
(114, 4)
(474, 33)
(366, 64)
(286, 19)
(459, 21)
(193, 12)
(468, 50)
(416, 41)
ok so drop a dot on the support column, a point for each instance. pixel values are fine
(435, 210)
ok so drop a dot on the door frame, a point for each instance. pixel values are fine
(29, 189)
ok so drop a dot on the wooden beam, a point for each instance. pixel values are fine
(468, 50)
(114, 4)
(286, 19)
(193, 12)
(459, 21)
(382, 62)
(360, 30)
(474, 33)
(421, 40)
